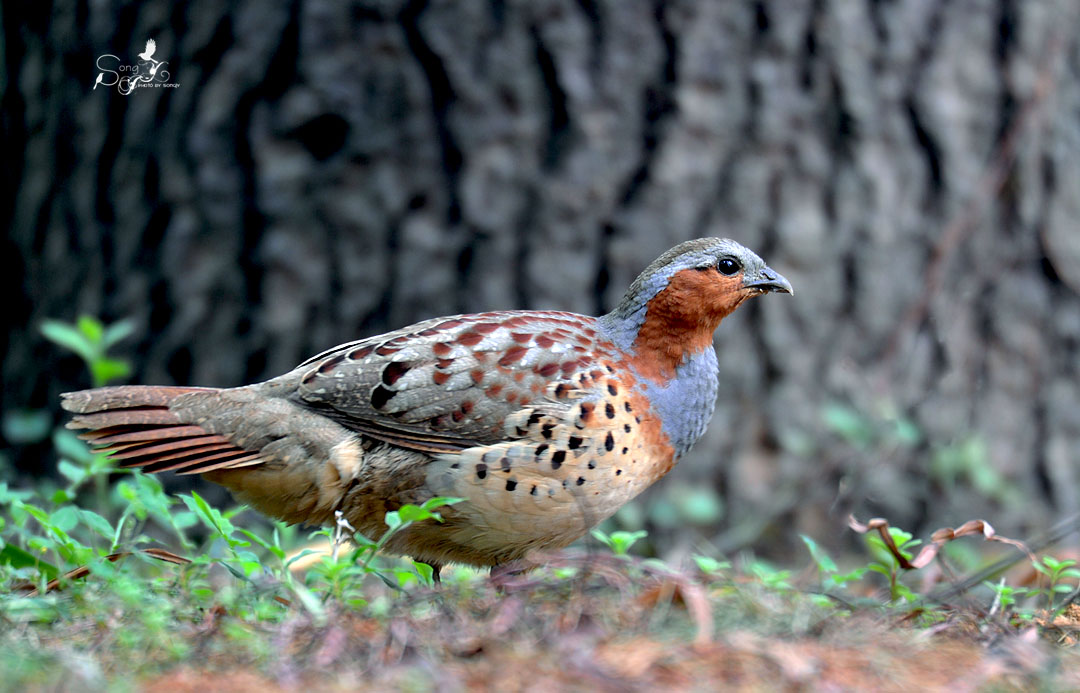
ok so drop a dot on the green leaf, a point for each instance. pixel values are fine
(848, 423)
(26, 426)
(393, 520)
(15, 557)
(823, 560)
(841, 579)
(415, 513)
(426, 573)
(68, 445)
(37, 513)
(907, 432)
(97, 523)
(91, 328)
(310, 602)
(440, 501)
(297, 557)
(879, 568)
(709, 565)
(701, 505)
(119, 330)
(65, 518)
(211, 517)
(105, 370)
(622, 541)
(239, 575)
(184, 520)
(262, 542)
(11, 495)
(73, 473)
(69, 337)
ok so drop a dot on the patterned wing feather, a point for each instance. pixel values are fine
(450, 383)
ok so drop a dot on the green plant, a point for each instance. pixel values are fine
(968, 459)
(831, 577)
(887, 564)
(1005, 596)
(1056, 572)
(771, 577)
(619, 542)
(91, 339)
(710, 566)
(865, 431)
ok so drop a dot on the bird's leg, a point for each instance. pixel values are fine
(501, 573)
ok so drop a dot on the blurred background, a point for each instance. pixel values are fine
(319, 171)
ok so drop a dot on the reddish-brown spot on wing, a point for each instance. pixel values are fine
(485, 327)
(547, 370)
(440, 377)
(470, 338)
(440, 348)
(360, 353)
(393, 372)
(544, 341)
(514, 353)
(328, 365)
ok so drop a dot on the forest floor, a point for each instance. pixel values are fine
(590, 623)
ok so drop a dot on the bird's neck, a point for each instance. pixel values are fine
(676, 324)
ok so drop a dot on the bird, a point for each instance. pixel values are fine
(543, 422)
(151, 46)
(100, 77)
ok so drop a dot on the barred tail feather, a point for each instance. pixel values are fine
(136, 427)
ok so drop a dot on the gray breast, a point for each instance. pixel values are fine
(685, 405)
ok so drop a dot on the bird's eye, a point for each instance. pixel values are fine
(727, 266)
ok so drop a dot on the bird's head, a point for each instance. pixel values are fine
(675, 305)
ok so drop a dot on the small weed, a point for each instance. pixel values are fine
(619, 542)
(887, 564)
(1056, 572)
(91, 340)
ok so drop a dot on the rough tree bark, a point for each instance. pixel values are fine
(327, 170)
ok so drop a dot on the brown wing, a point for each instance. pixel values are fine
(450, 383)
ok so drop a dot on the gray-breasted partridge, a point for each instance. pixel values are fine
(545, 422)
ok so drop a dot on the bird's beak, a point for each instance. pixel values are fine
(766, 280)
